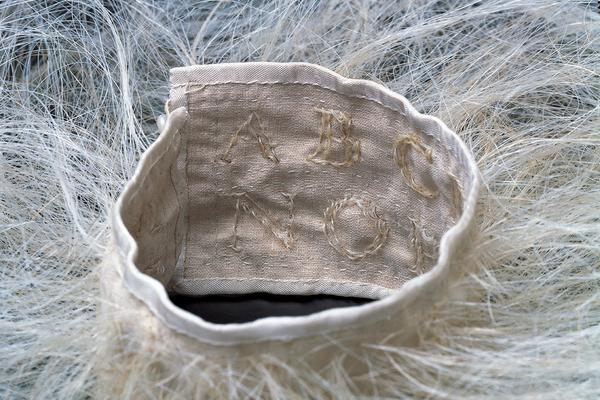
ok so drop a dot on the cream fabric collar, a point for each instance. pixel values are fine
(289, 178)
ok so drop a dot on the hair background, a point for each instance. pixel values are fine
(82, 83)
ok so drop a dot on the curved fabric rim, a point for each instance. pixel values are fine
(153, 293)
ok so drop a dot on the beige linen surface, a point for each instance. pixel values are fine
(294, 188)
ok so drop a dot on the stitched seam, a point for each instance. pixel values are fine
(202, 85)
(359, 272)
(225, 279)
(187, 190)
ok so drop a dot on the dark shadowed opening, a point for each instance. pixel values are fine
(224, 309)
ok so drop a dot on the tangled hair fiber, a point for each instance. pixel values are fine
(82, 83)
